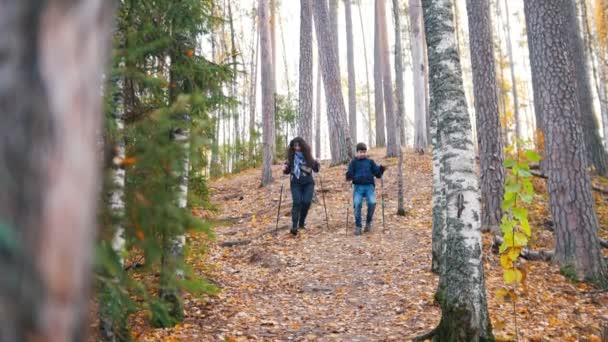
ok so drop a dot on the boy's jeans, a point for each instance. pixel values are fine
(361, 191)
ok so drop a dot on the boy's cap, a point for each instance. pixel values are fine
(361, 147)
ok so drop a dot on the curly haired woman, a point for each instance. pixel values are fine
(300, 164)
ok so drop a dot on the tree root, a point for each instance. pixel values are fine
(243, 242)
(425, 337)
(526, 253)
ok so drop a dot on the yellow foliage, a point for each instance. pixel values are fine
(600, 13)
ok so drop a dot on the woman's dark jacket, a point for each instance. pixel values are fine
(306, 170)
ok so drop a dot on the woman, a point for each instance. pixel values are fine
(300, 164)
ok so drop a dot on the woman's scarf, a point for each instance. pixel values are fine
(298, 160)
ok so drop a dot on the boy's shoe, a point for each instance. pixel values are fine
(302, 227)
(368, 228)
(293, 231)
(357, 231)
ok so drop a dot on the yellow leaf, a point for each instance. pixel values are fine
(513, 253)
(506, 261)
(512, 276)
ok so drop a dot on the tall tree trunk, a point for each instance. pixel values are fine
(352, 85)
(235, 111)
(333, 26)
(273, 48)
(51, 111)
(305, 92)
(392, 133)
(112, 323)
(400, 103)
(340, 140)
(418, 71)
(596, 154)
(600, 81)
(378, 90)
(268, 94)
(253, 99)
(367, 85)
(572, 206)
(492, 173)
(461, 290)
(318, 113)
(514, 92)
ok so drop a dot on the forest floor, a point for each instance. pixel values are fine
(330, 285)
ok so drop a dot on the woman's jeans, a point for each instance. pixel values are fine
(302, 197)
(359, 192)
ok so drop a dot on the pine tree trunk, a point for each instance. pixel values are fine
(378, 90)
(595, 152)
(352, 85)
(418, 71)
(461, 290)
(306, 89)
(367, 85)
(572, 206)
(333, 25)
(268, 94)
(253, 93)
(392, 132)
(514, 92)
(318, 114)
(340, 140)
(49, 173)
(492, 173)
(599, 80)
(235, 111)
(400, 103)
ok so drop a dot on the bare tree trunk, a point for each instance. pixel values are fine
(514, 92)
(367, 85)
(340, 140)
(253, 90)
(400, 103)
(461, 290)
(418, 73)
(572, 207)
(53, 55)
(352, 85)
(599, 78)
(491, 157)
(305, 92)
(595, 152)
(235, 111)
(378, 90)
(392, 133)
(318, 113)
(333, 27)
(273, 48)
(268, 94)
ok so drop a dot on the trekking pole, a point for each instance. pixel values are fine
(382, 186)
(347, 206)
(276, 228)
(324, 205)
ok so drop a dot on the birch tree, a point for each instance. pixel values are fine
(400, 103)
(461, 289)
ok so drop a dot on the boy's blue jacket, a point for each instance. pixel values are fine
(362, 171)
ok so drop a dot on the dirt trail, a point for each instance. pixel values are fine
(331, 285)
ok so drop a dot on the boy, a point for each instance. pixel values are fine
(361, 171)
